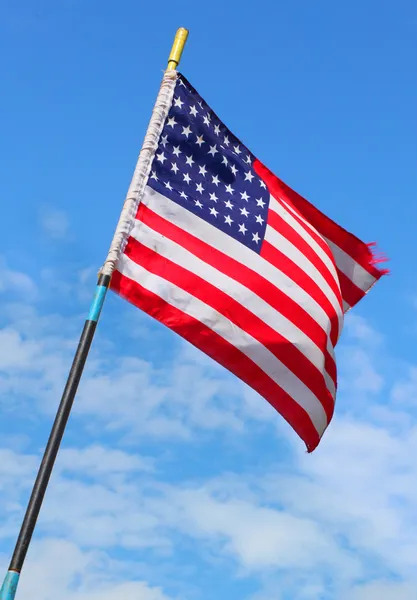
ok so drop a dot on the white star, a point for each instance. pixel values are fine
(233, 169)
(216, 180)
(153, 176)
(217, 129)
(189, 160)
(255, 237)
(244, 212)
(207, 120)
(228, 220)
(198, 203)
(213, 197)
(200, 104)
(259, 219)
(226, 140)
(237, 149)
(187, 178)
(214, 212)
(213, 150)
(225, 161)
(168, 186)
(174, 168)
(178, 102)
(164, 140)
(199, 188)
(161, 157)
(262, 184)
(229, 189)
(248, 177)
(183, 195)
(186, 131)
(193, 111)
(171, 122)
(228, 204)
(260, 202)
(248, 160)
(202, 170)
(176, 151)
(242, 229)
(200, 141)
(244, 196)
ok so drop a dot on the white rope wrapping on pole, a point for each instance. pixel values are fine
(140, 176)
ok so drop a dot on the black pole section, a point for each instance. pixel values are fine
(57, 432)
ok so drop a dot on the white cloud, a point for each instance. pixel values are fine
(258, 536)
(15, 281)
(133, 590)
(361, 485)
(15, 352)
(383, 590)
(358, 355)
(60, 570)
(14, 467)
(359, 374)
(323, 519)
(404, 392)
(173, 401)
(359, 329)
(55, 223)
(94, 497)
(97, 460)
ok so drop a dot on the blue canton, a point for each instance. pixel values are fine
(202, 166)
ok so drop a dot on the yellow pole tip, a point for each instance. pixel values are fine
(177, 48)
(182, 32)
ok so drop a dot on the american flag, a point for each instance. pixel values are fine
(237, 263)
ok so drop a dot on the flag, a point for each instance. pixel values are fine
(225, 254)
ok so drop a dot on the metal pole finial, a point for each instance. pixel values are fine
(177, 48)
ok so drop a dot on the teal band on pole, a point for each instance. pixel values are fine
(97, 303)
(8, 589)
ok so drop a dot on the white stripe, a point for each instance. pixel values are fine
(344, 262)
(300, 216)
(204, 313)
(285, 214)
(179, 255)
(293, 253)
(185, 219)
(354, 271)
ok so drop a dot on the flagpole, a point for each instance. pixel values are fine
(8, 589)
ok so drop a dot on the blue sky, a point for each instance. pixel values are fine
(175, 480)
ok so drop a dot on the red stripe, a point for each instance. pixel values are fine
(221, 351)
(283, 228)
(357, 250)
(247, 277)
(286, 352)
(286, 265)
(311, 232)
(350, 292)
